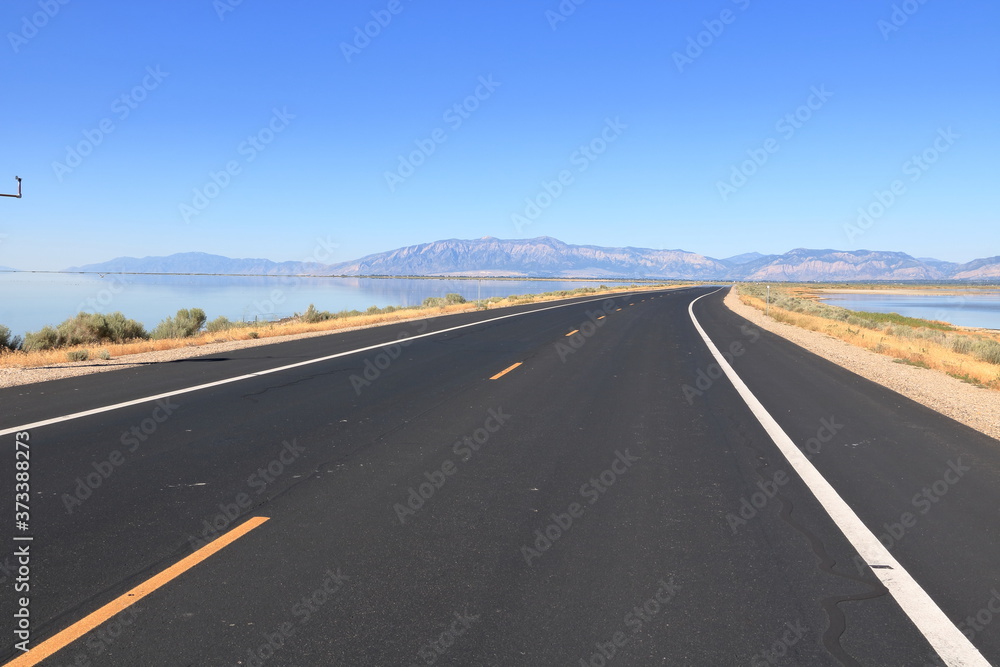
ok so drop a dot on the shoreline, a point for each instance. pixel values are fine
(976, 407)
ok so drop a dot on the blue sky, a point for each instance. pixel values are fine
(717, 127)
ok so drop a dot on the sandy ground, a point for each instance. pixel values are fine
(963, 402)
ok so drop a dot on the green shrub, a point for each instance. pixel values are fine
(312, 315)
(46, 338)
(220, 323)
(78, 355)
(104, 354)
(7, 340)
(184, 324)
(86, 328)
(253, 334)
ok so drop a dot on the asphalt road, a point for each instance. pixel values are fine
(610, 500)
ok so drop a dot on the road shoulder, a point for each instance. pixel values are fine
(965, 403)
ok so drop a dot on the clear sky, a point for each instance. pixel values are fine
(718, 127)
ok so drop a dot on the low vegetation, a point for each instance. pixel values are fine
(969, 355)
(119, 336)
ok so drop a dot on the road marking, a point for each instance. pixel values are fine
(572, 332)
(88, 623)
(950, 643)
(617, 309)
(239, 378)
(601, 317)
(506, 370)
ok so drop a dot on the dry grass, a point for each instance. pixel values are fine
(917, 352)
(21, 359)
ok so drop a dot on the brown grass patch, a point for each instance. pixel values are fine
(917, 352)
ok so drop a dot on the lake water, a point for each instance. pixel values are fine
(29, 301)
(973, 308)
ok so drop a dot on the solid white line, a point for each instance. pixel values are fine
(951, 645)
(208, 385)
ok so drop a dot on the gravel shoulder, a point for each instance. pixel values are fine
(973, 406)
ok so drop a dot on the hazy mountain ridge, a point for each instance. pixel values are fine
(549, 257)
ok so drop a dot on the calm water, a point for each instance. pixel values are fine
(29, 301)
(975, 308)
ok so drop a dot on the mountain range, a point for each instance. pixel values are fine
(548, 257)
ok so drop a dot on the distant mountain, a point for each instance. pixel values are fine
(549, 257)
(745, 258)
(978, 269)
(804, 264)
(542, 256)
(200, 262)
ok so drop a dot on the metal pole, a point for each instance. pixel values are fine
(18, 195)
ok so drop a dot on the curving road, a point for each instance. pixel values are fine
(576, 484)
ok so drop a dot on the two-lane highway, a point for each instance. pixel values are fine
(609, 499)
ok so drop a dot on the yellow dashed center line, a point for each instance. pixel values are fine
(617, 310)
(573, 332)
(506, 370)
(88, 623)
(601, 317)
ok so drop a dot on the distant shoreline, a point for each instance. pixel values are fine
(370, 277)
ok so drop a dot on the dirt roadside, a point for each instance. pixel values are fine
(963, 402)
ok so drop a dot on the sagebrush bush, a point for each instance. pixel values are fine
(186, 323)
(223, 323)
(78, 355)
(86, 328)
(8, 341)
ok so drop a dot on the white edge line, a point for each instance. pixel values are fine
(950, 643)
(217, 383)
